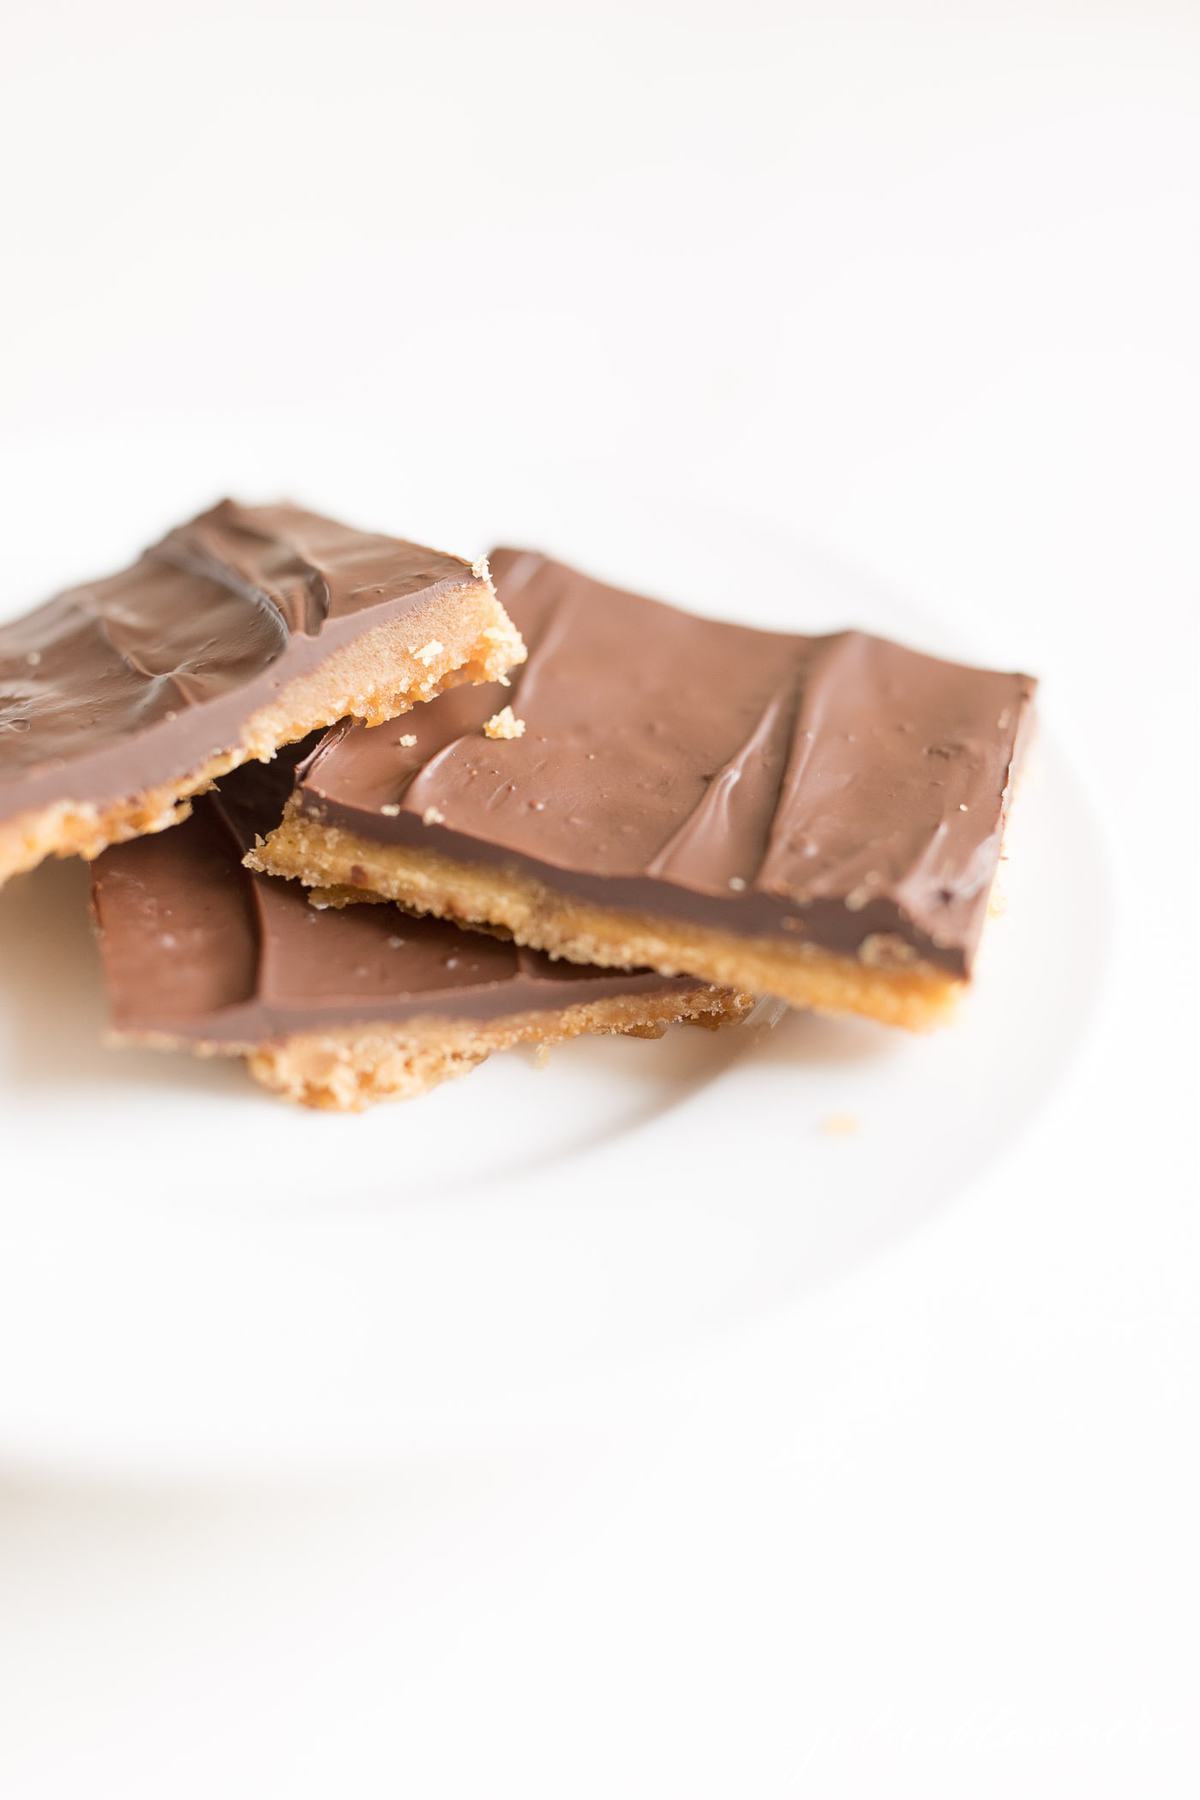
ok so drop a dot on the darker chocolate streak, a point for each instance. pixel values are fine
(137, 679)
(196, 947)
(821, 789)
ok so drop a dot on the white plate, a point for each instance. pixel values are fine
(195, 1274)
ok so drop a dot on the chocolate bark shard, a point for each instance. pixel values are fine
(241, 631)
(331, 1006)
(683, 787)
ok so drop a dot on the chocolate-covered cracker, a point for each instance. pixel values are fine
(334, 1008)
(817, 818)
(243, 630)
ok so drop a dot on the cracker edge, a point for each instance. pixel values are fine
(376, 677)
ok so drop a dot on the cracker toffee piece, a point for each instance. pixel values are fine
(334, 1008)
(246, 629)
(817, 818)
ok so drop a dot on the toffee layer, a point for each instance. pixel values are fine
(885, 981)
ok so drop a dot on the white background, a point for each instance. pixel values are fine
(918, 284)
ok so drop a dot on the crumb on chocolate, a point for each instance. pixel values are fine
(407, 741)
(884, 951)
(391, 810)
(504, 724)
(433, 816)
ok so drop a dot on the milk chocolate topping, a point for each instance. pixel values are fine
(196, 947)
(825, 789)
(136, 679)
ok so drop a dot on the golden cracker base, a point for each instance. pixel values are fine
(885, 981)
(348, 1069)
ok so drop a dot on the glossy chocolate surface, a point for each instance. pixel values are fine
(823, 789)
(195, 947)
(135, 680)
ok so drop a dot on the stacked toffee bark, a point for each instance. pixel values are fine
(649, 817)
